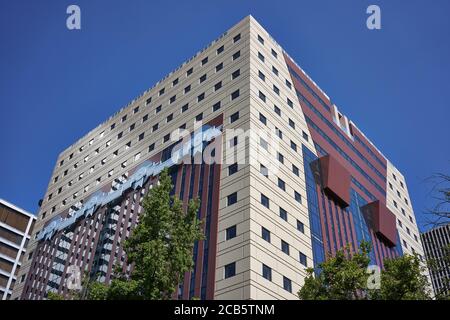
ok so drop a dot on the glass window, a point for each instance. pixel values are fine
(265, 201)
(265, 234)
(303, 259)
(283, 214)
(234, 117)
(300, 226)
(232, 169)
(231, 232)
(232, 199)
(285, 247)
(287, 284)
(266, 272)
(230, 270)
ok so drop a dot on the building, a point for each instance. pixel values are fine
(293, 178)
(436, 243)
(15, 232)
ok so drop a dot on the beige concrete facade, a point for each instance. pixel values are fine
(110, 150)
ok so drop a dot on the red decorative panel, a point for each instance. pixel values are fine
(382, 221)
(335, 180)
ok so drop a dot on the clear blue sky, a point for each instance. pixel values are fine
(56, 84)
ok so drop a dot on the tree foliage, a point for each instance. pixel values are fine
(345, 277)
(403, 278)
(159, 248)
(342, 277)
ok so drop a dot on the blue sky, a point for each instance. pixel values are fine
(56, 84)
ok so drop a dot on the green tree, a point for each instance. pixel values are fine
(160, 248)
(54, 296)
(403, 278)
(342, 277)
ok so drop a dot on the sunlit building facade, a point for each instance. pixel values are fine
(292, 180)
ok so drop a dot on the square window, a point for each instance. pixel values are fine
(136, 110)
(263, 143)
(148, 101)
(305, 135)
(141, 136)
(274, 53)
(261, 57)
(235, 94)
(293, 146)
(202, 78)
(161, 92)
(274, 70)
(279, 133)
(276, 90)
(184, 108)
(263, 170)
(232, 169)
(216, 106)
(124, 118)
(285, 247)
(174, 82)
(112, 127)
(199, 117)
(155, 127)
(262, 96)
(158, 109)
(219, 67)
(303, 259)
(151, 147)
(265, 234)
(262, 118)
(277, 110)
(220, 50)
(145, 118)
(234, 117)
(288, 84)
(261, 76)
(298, 197)
(166, 137)
(283, 214)
(230, 232)
(169, 117)
(204, 61)
(232, 199)
(266, 272)
(295, 170)
(291, 124)
(218, 85)
(235, 74)
(290, 103)
(236, 55)
(230, 270)
(187, 89)
(201, 97)
(260, 39)
(280, 157)
(281, 184)
(236, 38)
(265, 201)
(300, 226)
(189, 72)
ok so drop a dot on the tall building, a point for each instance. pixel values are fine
(15, 232)
(436, 243)
(292, 178)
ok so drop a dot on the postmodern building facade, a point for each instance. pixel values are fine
(15, 231)
(292, 178)
(436, 243)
